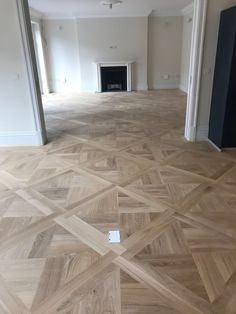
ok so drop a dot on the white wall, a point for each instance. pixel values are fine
(155, 44)
(62, 55)
(17, 122)
(128, 35)
(186, 49)
(72, 47)
(210, 47)
(164, 57)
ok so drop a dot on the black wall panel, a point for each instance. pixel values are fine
(222, 130)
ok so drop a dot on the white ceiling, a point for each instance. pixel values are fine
(93, 8)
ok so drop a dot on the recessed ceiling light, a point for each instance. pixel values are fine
(111, 3)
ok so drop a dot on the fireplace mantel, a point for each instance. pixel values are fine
(101, 64)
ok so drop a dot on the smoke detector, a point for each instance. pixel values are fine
(111, 3)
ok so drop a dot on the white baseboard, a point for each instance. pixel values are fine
(32, 138)
(141, 87)
(190, 134)
(202, 133)
(164, 86)
(183, 88)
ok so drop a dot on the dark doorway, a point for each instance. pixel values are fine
(114, 79)
(222, 130)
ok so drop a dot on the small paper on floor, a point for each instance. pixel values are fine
(114, 236)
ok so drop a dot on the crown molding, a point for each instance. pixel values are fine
(90, 16)
(58, 17)
(154, 13)
(112, 16)
(167, 13)
(188, 9)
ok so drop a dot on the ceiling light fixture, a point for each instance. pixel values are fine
(111, 3)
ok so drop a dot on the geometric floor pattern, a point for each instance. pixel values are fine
(117, 162)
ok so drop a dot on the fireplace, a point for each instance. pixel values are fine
(114, 79)
(114, 76)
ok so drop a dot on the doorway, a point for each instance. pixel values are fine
(199, 21)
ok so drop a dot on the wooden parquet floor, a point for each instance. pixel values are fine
(117, 162)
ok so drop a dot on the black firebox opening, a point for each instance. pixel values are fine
(114, 79)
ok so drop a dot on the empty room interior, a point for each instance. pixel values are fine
(117, 157)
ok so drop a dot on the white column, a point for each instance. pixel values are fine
(129, 77)
(199, 22)
(99, 81)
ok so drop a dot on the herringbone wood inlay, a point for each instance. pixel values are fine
(117, 162)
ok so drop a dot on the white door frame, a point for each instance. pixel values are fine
(40, 56)
(196, 58)
(199, 23)
(32, 73)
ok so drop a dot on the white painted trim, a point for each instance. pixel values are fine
(32, 74)
(183, 88)
(113, 63)
(201, 132)
(36, 14)
(75, 17)
(191, 133)
(166, 13)
(59, 17)
(171, 12)
(153, 13)
(129, 77)
(20, 138)
(188, 9)
(199, 23)
(164, 86)
(40, 56)
(141, 87)
(214, 146)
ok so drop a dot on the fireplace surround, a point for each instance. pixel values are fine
(114, 76)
